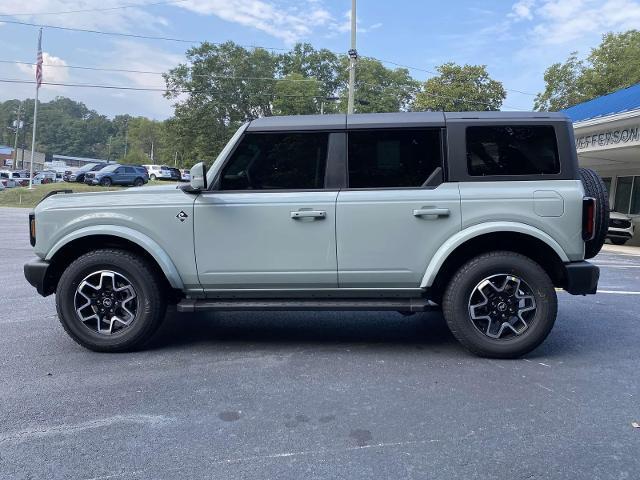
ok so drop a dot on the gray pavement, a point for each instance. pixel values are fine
(318, 395)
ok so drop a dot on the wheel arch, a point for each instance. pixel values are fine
(473, 241)
(86, 239)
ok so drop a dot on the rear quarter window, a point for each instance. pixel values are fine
(512, 150)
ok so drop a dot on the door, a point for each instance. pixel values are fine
(269, 221)
(396, 212)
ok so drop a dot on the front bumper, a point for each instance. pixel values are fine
(581, 278)
(35, 272)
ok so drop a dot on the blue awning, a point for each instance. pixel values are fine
(624, 100)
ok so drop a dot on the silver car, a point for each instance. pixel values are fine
(620, 228)
(480, 214)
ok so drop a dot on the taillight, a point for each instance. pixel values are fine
(588, 218)
(32, 229)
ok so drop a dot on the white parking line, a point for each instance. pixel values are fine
(619, 292)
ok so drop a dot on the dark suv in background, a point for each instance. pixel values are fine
(118, 175)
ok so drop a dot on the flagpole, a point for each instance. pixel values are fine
(35, 111)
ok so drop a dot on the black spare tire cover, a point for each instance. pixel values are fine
(594, 187)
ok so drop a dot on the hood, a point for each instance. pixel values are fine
(135, 196)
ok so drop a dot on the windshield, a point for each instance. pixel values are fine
(87, 167)
(109, 168)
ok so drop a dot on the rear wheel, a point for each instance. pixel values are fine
(138, 182)
(110, 301)
(500, 304)
(152, 176)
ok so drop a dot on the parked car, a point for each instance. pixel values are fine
(185, 175)
(11, 178)
(620, 228)
(176, 174)
(482, 214)
(158, 172)
(79, 174)
(116, 174)
(47, 176)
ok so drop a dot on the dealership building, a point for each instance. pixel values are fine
(607, 132)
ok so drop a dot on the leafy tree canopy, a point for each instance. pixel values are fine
(460, 88)
(612, 65)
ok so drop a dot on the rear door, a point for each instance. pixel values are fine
(396, 211)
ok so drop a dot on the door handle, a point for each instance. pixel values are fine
(431, 212)
(308, 214)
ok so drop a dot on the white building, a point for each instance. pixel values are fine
(607, 131)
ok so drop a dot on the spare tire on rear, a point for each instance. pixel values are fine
(595, 187)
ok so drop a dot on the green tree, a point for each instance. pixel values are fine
(460, 88)
(611, 66)
(296, 95)
(564, 86)
(378, 88)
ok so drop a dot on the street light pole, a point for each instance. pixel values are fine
(15, 142)
(353, 56)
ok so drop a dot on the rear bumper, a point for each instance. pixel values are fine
(582, 278)
(35, 272)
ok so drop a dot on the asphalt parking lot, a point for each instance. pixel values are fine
(326, 395)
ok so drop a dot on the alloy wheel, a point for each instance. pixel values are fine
(502, 306)
(106, 302)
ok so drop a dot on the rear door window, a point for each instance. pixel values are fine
(512, 150)
(393, 158)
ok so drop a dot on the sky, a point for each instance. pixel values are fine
(516, 40)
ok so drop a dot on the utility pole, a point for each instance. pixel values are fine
(353, 56)
(15, 142)
(126, 134)
(109, 149)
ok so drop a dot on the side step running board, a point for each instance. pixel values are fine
(374, 304)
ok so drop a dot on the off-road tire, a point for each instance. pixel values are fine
(151, 304)
(455, 304)
(595, 187)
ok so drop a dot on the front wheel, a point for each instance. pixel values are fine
(105, 182)
(110, 301)
(500, 305)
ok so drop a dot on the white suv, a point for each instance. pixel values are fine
(158, 172)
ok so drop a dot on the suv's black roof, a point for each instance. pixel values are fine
(382, 120)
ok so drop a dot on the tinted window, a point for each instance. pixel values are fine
(277, 161)
(512, 150)
(393, 158)
(129, 170)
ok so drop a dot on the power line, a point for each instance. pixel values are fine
(149, 72)
(181, 40)
(143, 89)
(129, 35)
(130, 5)
(436, 95)
(438, 73)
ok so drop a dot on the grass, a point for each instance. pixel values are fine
(23, 197)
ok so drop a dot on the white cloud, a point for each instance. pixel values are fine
(565, 21)
(284, 21)
(121, 20)
(522, 10)
(54, 69)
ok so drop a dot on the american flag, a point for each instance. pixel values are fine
(39, 62)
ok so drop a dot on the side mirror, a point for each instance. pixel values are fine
(199, 177)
